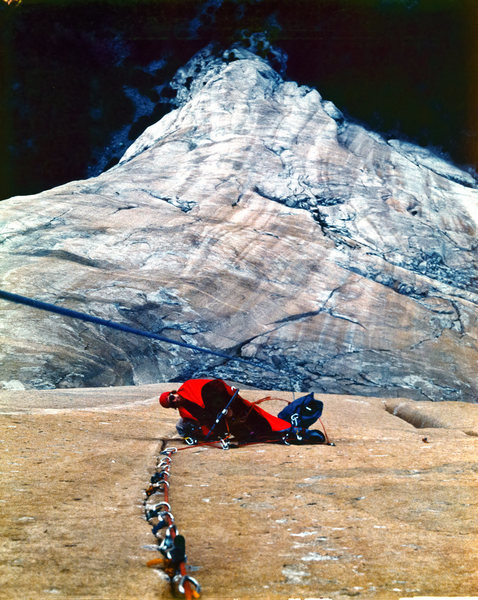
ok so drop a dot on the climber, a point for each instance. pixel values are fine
(211, 409)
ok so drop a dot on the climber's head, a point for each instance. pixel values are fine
(170, 399)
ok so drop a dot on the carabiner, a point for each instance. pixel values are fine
(169, 529)
(158, 476)
(165, 546)
(161, 516)
(225, 444)
(166, 504)
(191, 580)
(167, 513)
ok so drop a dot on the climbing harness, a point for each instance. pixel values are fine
(171, 545)
(222, 414)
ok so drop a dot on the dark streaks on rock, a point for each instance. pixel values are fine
(70, 256)
(256, 220)
(129, 207)
(299, 316)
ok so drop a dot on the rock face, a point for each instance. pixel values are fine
(257, 221)
(390, 512)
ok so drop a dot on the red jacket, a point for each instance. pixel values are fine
(204, 399)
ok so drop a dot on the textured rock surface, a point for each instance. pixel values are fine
(255, 220)
(381, 516)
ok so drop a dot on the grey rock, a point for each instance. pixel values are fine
(256, 220)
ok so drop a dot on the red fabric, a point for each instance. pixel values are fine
(192, 388)
(275, 423)
(247, 418)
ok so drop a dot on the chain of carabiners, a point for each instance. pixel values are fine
(171, 545)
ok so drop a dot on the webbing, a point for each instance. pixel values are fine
(75, 314)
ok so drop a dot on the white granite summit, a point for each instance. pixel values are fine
(256, 220)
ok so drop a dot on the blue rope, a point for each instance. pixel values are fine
(74, 314)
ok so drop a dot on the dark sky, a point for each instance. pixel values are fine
(80, 80)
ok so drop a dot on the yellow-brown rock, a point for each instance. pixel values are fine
(389, 512)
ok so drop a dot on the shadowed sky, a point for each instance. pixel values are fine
(80, 80)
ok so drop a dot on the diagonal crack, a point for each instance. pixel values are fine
(344, 318)
(314, 313)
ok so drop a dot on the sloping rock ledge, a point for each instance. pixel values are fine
(389, 512)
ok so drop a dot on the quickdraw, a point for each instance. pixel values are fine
(171, 544)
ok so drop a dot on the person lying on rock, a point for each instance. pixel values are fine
(210, 409)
